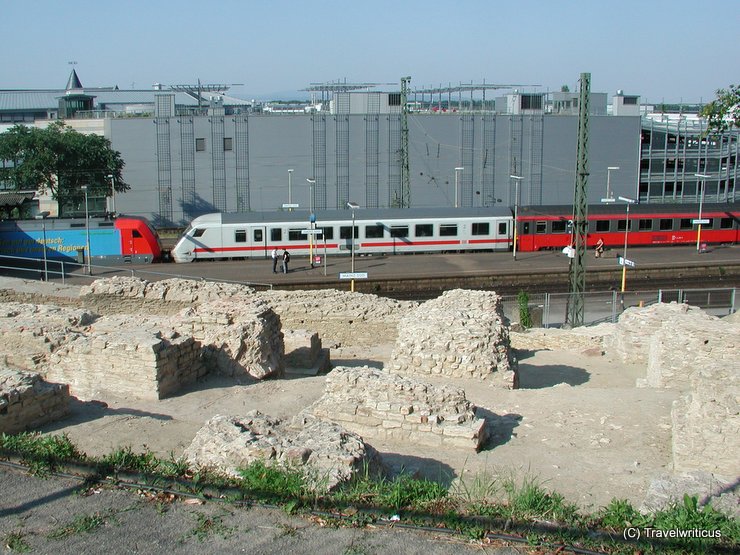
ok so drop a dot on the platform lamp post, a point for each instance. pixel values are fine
(42, 216)
(629, 202)
(457, 183)
(311, 218)
(517, 179)
(609, 171)
(703, 178)
(87, 231)
(352, 206)
(290, 189)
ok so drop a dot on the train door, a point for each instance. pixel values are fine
(259, 242)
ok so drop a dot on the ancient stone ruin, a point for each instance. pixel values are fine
(376, 404)
(27, 401)
(462, 334)
(328, 454)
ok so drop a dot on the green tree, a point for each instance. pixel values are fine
(60, 159)
(724, 112)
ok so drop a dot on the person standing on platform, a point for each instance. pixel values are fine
(599, 248)
(274, 260)
(286, 259)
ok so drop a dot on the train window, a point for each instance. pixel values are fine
(558, 226)
(240, 235)
(135, 233)
(328, 232)
(686, 223)
(399, 231)
(199, 231)
(481, 228)
(424, 230)
(666, 224)
(502, 228)
(645, 224)
(622, 225)
(77, 225)
(276, 234)
(296, 235)
(105, 224)
(602, 226)
(373, 231)
(525, 228)
(448, 230)
(725, 223)
(257, 236)
(345, 232)
(540, 227)
(709, 225)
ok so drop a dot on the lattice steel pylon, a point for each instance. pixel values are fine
(405, 170)
(574, 316)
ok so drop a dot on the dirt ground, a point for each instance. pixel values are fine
(578, 424)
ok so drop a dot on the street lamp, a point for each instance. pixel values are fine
(628, 201)
(311, 218)
(609, 194)
(42, 216)
(353, 206)
(703, 178)
(517, 179)
(290, 188)
(87, 231)
(457, 182)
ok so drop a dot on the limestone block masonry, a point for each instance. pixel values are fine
(241, 336)
(27, 401)
(462, 334)
(328, 454)
(376, 404)
(141, 361)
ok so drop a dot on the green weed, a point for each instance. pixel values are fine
(210, 525)
(41, 453)
(80, 524)
(530, 500)
(15, 541)
(272, 482)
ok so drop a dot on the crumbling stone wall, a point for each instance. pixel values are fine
(28, 402)
(585, 339)
(31, 333)
(340, 316)
(142, 361)
(679, 347)
(376, 404)
(328, 454)
(241, 336)
(462, 334)
(637, 326)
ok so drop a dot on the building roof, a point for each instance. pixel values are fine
(14, 199)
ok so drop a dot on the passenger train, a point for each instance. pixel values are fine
(112, 241)
(401, 231)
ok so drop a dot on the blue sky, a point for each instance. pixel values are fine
(663, 50)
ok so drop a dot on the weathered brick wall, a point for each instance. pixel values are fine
(376, 404)
(28, 402)
(460, 334)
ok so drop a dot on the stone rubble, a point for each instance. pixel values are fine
(169, 290)
(28, 402)
(376, 404)
(462, 334)
(328, 454)
(668, 489)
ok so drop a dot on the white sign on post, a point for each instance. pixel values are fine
(353, 275)
(625, 262)
(312, 231)
(703, 221)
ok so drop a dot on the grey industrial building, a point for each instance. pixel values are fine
(194, 150)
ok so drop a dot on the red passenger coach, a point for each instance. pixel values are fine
(550, 227)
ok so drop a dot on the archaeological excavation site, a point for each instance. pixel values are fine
(337, 383)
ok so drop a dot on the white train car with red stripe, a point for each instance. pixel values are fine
(376, 231)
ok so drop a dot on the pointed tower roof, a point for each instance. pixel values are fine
(73, 82)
